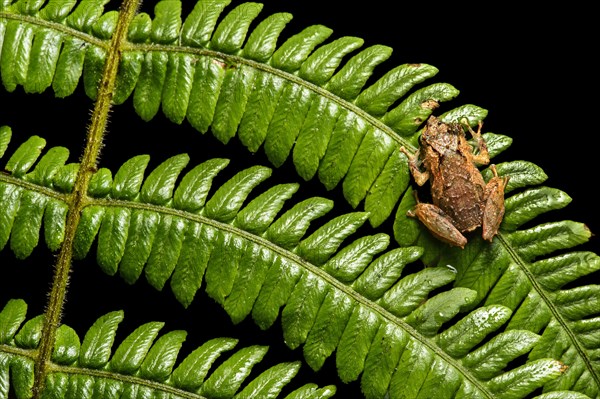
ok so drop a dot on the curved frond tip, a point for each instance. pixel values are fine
(304, 98)
(223, 69)
(528, 268)
(352, 299)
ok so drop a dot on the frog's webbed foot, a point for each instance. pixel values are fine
(438, 223)
(413, 163)
(482, 157)
(493, 210)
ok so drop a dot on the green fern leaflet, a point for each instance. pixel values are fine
(352, 301)
(509, 319)
(287, 99)
(143, 365)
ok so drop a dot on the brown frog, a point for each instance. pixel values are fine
(462, 201)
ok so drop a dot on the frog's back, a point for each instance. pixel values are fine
(458, 189)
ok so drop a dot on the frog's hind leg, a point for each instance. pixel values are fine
(493, 210)
(438, 223)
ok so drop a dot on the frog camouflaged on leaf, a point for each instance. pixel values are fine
(462, 201)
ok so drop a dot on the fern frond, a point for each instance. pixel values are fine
(295, 99)
(143, 365)
(526, 270)
(304, 98)
(349, 298)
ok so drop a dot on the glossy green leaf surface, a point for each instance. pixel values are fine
(407, 317)
(336, 296)
(142, 364)
(250, 83)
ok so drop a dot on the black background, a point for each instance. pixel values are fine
(532, 69)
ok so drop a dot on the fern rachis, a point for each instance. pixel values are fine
(326, 279)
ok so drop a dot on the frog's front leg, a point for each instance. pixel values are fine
(438, 223)
(483, 156)
(413, 164)
(493, 210)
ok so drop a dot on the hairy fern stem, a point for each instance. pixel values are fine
(78, 199)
